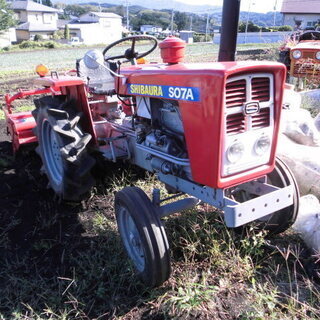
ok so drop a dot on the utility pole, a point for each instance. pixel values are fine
(275, 12)
(127, 13)
(191, 22)
(172, 14)
(245, 36)
(207, 27)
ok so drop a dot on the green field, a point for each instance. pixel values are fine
(62, 59)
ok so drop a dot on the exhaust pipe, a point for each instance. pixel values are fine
(229, 30)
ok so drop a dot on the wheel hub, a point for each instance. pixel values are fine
(52, 153)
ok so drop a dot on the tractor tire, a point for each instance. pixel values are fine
(143, 235)
(281, 220)
(63, 148)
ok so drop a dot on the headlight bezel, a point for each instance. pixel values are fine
(318, 55)
(235, 146)
(265, 148)
(296, 54)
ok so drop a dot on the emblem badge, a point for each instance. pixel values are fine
(251, 107)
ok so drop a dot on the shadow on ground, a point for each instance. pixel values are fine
(59, 259)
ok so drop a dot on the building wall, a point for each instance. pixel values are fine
(43, 18)
(22, 16)
(147, 28)
(94, 33)
(45, 35)
(307, 19)
(22, 35)
(5, 39)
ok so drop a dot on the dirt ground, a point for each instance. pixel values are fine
(43, 242)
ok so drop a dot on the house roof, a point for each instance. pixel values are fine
(103, 14)
(35, 27)
(31, 6)
(307, 6)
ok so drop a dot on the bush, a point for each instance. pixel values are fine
(285, 28)
(264, 29)
(38, 37)
(28, 44)
(201, 37)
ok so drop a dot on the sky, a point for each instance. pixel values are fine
(256, 5)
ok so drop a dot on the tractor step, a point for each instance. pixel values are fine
(19, 126)
(115, 148)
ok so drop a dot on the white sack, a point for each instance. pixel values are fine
(308, 222)
(317, 122)
(299, 126)
(304, 162)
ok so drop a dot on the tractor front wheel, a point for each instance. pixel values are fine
(143, 235)
(62, 148)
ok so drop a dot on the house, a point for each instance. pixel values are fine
(186, 35)
(306, 13)
(148, 28)
(97, 27)
(7, 37)
(34, 18)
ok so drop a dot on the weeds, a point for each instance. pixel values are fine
(61, 261)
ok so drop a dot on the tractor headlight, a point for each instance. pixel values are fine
(296, 54)
(235, 152)
(262, 145)
(318, 55)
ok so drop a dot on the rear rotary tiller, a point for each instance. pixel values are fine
(208, 130)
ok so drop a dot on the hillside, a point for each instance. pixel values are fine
(138, 6)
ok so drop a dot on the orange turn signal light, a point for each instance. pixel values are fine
(42, 70)
(142, 61)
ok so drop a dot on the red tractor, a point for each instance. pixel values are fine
(207, 130)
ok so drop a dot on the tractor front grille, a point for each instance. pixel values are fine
(260, 89)
(244, 89)
(236, 93)
(306, 67)
(235, 123)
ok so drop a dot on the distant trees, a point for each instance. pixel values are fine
(47, 3)
(255, 28)
(251, 27)
(153, 17)
(181, 20)
(6, 16)
(78, 10)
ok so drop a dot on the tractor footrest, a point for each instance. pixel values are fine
(20, 127)
(115, 148)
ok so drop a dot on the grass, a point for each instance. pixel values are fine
(63, 261)
(217, 274)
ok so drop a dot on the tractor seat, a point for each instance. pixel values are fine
(99, 80)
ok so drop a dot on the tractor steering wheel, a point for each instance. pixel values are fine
(130, 54)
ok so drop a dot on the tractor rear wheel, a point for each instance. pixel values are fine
(280, 220)
(62, 148)
(143, 235)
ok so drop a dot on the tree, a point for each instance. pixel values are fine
(66, 32)
(78, 10)
(251, 27)
(47, 3)
(181, 20)
(6, 16)
(154, 17)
